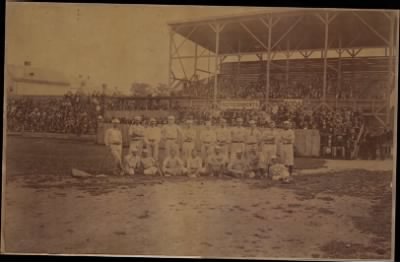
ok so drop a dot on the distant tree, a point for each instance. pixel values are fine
(141, 89)
(162, 90)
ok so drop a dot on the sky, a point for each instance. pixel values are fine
(113, 44)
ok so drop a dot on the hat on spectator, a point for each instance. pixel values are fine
(171, 117)
(115, 121)
(145, 150)
(138, 118)
(153, 120)
(252, 122)
(239, 119)
(274, 157)
(223, 120)
(189, 121)
(133, 149)
(217, 147)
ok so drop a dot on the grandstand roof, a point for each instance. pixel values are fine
(36, 75)
(302, 28)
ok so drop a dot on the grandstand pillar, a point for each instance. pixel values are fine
(325, 56)
(339, 72)
(217, 28)
(170, 71)
(267, 74)
(326, 20)
(195, 59)
(392, 56)
(287, 64)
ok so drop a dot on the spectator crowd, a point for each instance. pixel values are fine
(73, 113)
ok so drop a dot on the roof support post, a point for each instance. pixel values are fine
(217, 29)
(170, 70)
(339, 71)
(325, 56)
(269, 24)
(288, 55)
(237, 77)
(195, 60)
(391, 82)
(326, 20)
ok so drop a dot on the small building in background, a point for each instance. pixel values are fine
(32, 81)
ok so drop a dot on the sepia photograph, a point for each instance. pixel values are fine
(199, 131)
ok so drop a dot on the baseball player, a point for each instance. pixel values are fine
(170, 132)
(223, 135)
(173, 165)
(252, 137)
(269, 140)
(113, 140)
(194, 164)
(287, 144)
(238, 165)
(188, 139)
(217, 162)
(278, 171)
(136, 134)
(131, 162)
(238, 135)
(207, 140)
(148, 164)
(152, 137)
(256, 163)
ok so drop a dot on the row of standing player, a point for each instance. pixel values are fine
(229, 139)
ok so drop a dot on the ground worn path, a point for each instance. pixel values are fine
(331, 214)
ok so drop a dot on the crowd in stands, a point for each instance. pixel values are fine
(73, 113)
(310, 88)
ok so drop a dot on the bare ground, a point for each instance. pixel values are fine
(334, 213)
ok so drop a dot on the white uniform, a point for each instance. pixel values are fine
(224, 139)
(136, 135)
(173, 166)
(287, 150)
(152, 137)
(269, 140)
(131, 164)
(207, 139)
(188, 139)
(278, 172)
(170, 133)
(252, 139)
(149, 165)
(113, 139)
(238, 135)
(194, 166)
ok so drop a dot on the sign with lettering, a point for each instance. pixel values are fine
(239, 104)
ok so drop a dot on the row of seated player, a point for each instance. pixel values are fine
(251, 165)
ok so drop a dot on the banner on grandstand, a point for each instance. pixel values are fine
(293, 104)
(239, 104)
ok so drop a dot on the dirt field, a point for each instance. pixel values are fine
(342, 210)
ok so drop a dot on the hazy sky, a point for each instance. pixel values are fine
(114, 44)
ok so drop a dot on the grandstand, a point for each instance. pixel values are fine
(357, 52)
